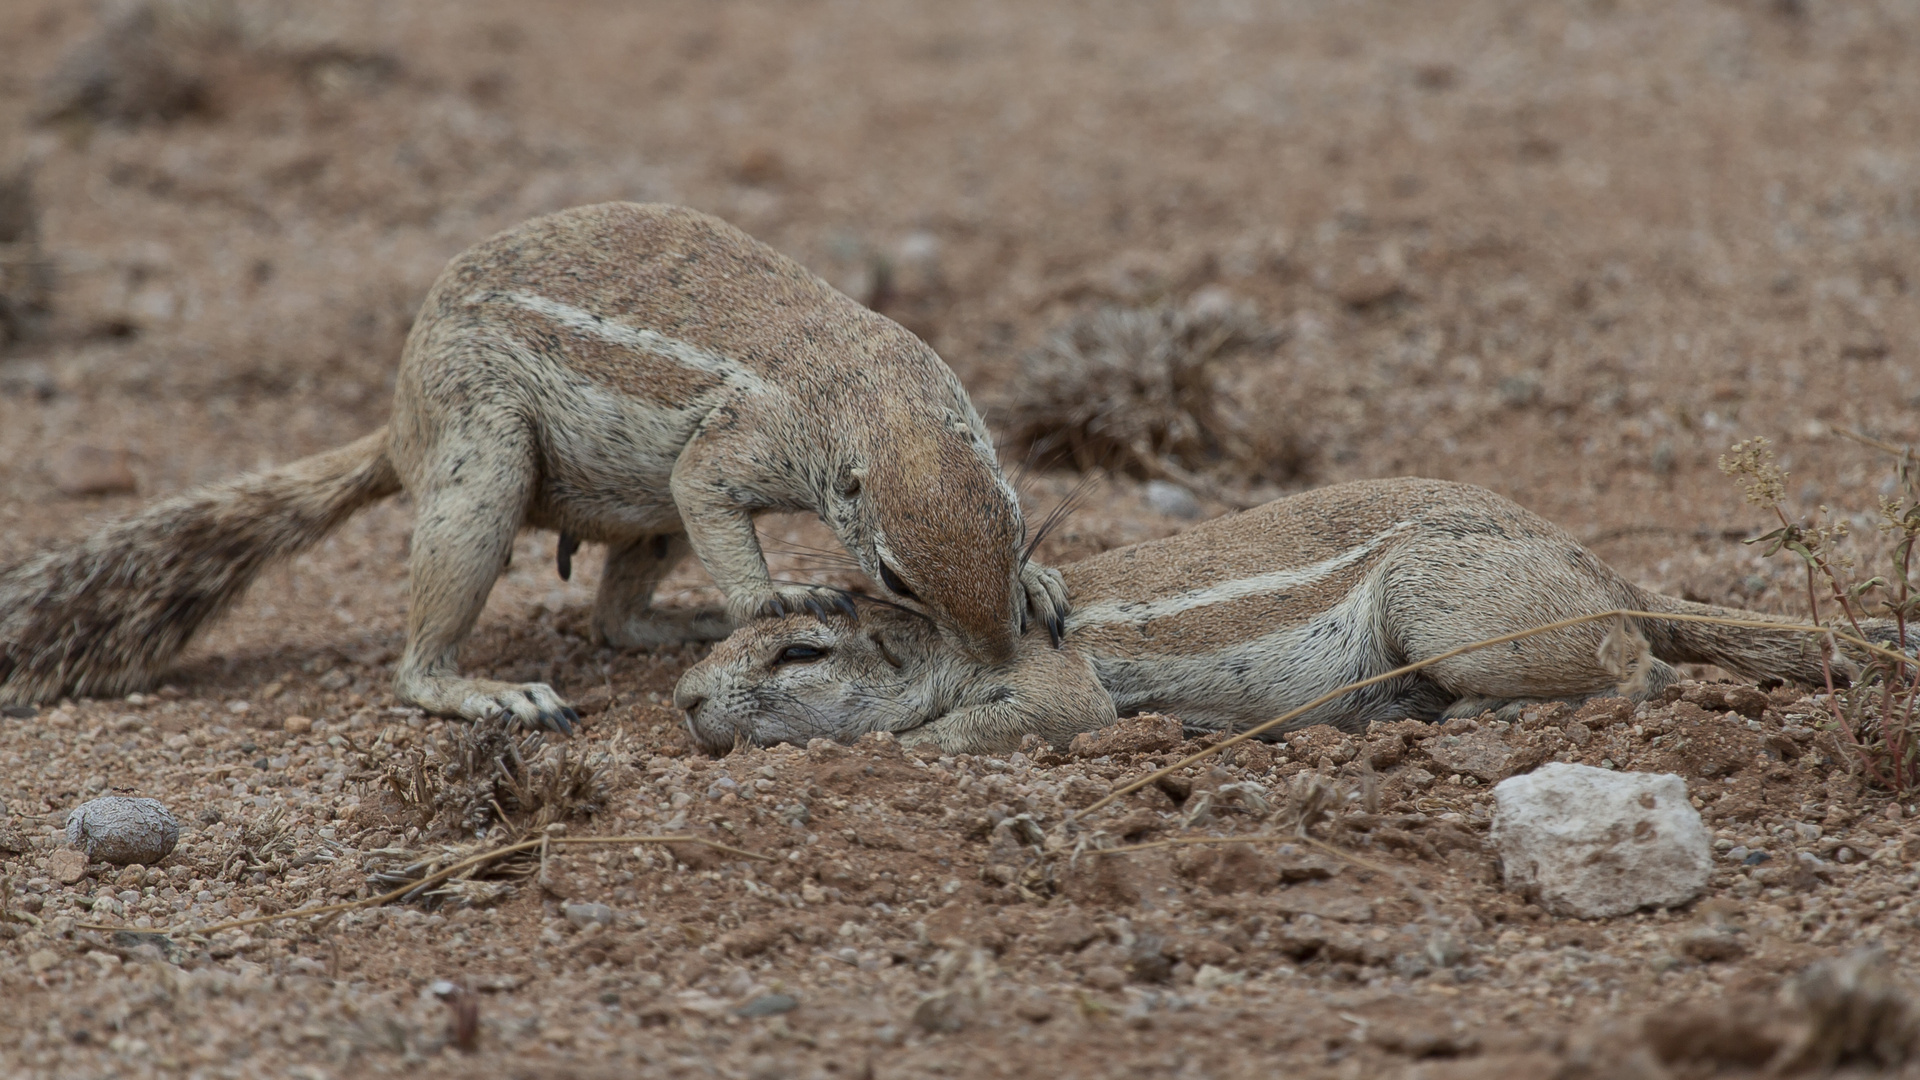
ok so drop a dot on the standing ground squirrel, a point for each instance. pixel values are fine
(1239, 620)
(641, 376)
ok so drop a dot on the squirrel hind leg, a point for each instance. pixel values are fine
(466, 518)
(623, 613)
(1507, 709)
(1655, 676)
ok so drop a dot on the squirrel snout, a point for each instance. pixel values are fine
(688, 701)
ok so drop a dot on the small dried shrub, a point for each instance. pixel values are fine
(164, 60)
(1146, 391)
(483, 773)
(146, 62)
(26, 274)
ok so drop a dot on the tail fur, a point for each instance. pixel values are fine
(109, 614)
(1792, 655)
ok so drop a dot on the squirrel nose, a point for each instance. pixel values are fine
(690, 703)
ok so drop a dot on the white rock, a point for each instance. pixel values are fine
(1592, 842)
(121, 830)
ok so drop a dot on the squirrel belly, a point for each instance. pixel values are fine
(1241, 619)
(643, 377)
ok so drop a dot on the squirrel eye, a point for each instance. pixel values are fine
(893, 583)
(798, 654)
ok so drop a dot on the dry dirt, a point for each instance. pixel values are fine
(1570, 252)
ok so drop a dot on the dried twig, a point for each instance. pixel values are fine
(437, 876)
(1868, 440)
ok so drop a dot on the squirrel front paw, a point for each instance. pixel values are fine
(533, 706)
(1046, 598)
(791, 600)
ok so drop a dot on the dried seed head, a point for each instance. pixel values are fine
(1750, 463)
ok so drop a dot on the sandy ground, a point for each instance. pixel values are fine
(1570, 252)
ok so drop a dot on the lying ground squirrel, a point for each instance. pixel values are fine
(645, 377)
(1239, 620)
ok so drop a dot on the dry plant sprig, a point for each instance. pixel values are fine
(1875, 717)
(1519, 635)
(438, 876)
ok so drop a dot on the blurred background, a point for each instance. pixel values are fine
(1570, 251)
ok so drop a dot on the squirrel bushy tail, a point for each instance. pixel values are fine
(108, 614)
(1792, 655)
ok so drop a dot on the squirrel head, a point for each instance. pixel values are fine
(928, 515)
(797, 678)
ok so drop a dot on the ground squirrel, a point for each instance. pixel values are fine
(1239, 620)
(645, 377)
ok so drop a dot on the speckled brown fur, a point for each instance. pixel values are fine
(1240, 619)
(644, 377)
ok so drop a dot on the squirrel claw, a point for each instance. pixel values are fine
(845, 604)
(1046, 599)
(798, 600)
(533, 707)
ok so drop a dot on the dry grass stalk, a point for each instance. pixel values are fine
(479, 884)
(1868, 647)
(1138, 389)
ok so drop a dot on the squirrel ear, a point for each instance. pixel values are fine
(851, 480)
(885, 653)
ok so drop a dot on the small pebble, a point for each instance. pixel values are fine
(585, 915)
(767, 1005)
(66, 866)
(123, 830)
(297, 725)
(1106, 977)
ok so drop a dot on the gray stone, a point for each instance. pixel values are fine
(585, 915)
(1593, 843)
(123, 830)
